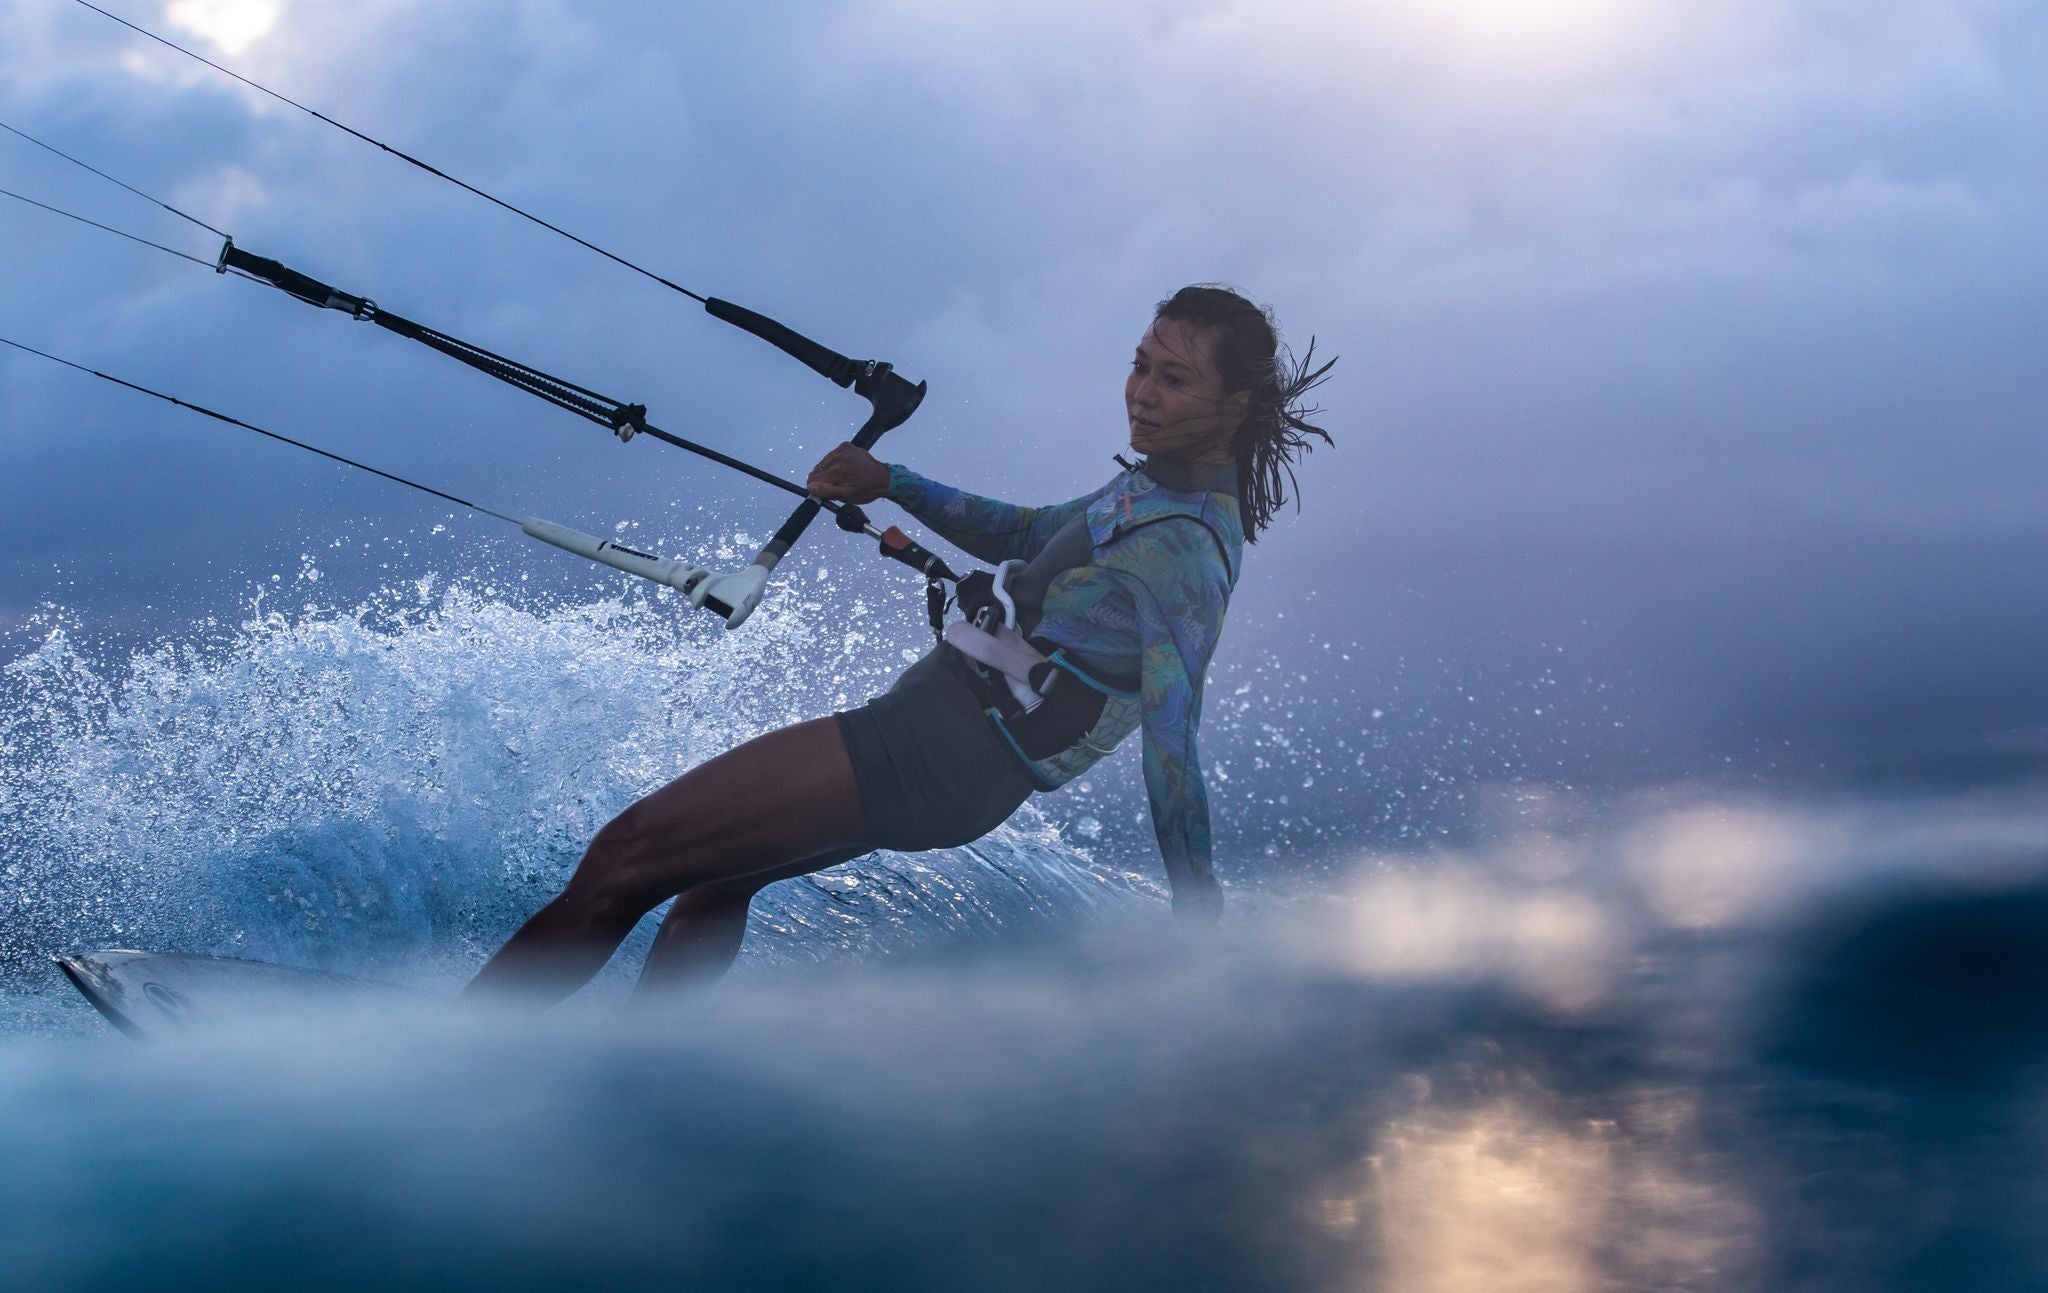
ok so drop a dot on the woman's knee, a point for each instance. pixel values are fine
(616, 840)
(613, 876)
(629, 867)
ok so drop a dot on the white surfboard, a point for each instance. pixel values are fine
(151, 994)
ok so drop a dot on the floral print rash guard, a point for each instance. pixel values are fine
(1147, 609)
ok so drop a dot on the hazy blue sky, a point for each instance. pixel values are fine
(1702, 341)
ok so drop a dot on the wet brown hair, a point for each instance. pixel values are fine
(1245, 345)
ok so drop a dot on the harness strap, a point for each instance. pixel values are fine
(1024, 669)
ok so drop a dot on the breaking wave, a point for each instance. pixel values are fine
(395, 786)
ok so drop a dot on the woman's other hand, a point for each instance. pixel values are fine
(850, 474)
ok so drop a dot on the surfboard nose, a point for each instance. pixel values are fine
(156, 994)
(92, 974)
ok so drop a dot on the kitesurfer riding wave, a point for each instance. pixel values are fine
(1111, 610)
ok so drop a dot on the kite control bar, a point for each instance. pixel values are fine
(891, 398)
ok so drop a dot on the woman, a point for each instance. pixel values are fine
(1118, 598)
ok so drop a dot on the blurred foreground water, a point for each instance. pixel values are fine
(1673, 1039)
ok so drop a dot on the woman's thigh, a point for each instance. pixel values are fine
(779, 798)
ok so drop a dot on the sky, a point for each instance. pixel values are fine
(1689, 355)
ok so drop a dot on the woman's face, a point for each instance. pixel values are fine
(1174, 396)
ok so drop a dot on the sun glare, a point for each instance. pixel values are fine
(1533, 33)
(232, 25)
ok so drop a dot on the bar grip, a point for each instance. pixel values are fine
(823, 360)
(891, 399)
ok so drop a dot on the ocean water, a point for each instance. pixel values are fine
(1672, 1037)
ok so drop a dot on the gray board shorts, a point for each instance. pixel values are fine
(932, 771)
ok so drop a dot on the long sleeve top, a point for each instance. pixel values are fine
(1148, 606)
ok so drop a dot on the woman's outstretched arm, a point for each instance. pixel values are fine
(985, 528)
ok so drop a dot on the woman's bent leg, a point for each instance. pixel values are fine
(702, 932)
(778, 799)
